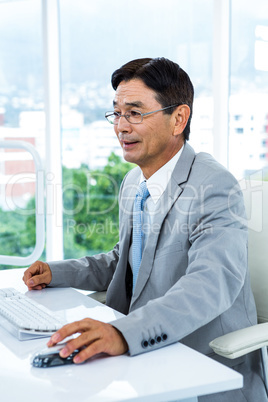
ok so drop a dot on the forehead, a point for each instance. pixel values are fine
(134, 93)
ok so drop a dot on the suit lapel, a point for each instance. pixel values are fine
(179, 176)
(116, 297)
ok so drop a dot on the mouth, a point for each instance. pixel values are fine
(129, 144)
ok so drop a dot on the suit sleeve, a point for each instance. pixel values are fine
(215, 273)
(88, 273)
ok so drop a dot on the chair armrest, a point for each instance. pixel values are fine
(241, 342)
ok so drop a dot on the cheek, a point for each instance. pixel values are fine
(151, 146)
(155, 138)
(116, 132)
(148, 135)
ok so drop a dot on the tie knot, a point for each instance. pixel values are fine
(143, 191)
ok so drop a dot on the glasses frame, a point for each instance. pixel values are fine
(108, 114)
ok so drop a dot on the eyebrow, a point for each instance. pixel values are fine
(137, 104)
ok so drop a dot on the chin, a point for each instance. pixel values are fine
(129, 158)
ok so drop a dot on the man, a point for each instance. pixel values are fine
(184, 277)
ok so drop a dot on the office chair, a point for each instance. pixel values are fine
(241, 342)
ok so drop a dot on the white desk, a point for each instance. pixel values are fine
(175, 372)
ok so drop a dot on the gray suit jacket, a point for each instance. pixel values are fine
(193, 284)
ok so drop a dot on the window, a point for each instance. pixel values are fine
(96, 38)
(248, 106)
(21, 119)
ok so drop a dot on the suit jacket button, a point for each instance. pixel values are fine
(164, 337)
(158, 339)
(144, 344)
(151, 342)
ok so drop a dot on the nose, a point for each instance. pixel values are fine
(123, 125)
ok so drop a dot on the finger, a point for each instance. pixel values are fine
(102, 338)
(35, 282)
(89, 347)
(68, 330)
(93, 349)
(55, 338)
(39, 281)
(32, 270)
(85, 339)
(38, 287)
(96, 345)
(28, 275)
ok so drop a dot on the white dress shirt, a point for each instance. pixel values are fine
(156, 185)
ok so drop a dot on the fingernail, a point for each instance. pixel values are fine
(55, 338)
(31, 282)
(64, 352)
(77, 359)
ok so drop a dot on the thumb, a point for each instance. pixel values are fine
(35, 281)
(38, 281)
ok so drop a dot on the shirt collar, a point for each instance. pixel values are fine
(158, 182)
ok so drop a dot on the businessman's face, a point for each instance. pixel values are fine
(158, 138)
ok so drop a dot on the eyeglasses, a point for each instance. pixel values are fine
(132, 116)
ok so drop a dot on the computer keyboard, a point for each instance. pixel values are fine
(24, 317)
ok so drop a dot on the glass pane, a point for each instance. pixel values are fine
(96, 38)
(248, 105)
(21, 118)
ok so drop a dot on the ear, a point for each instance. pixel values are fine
(181, 115)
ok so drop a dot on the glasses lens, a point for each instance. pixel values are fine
(134, 117)
(110, 117)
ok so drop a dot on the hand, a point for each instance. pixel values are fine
(37, 276)
(96, 337)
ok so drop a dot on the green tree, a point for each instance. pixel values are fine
(90, 200)
(17, 231)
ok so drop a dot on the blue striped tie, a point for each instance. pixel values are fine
(141, 196)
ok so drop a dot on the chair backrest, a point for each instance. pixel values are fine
(256, 203)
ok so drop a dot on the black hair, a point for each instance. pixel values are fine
(170, 82)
